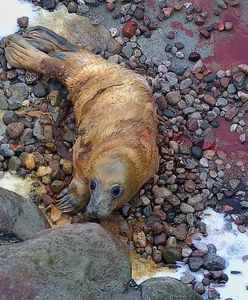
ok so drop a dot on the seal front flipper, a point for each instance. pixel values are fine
(74, 198)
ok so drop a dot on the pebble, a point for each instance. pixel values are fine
(199, 288)
(139, 239)
(204, 162)
(195, 263)
(196, 152)
(57, 186)
(186, 208)
(173, 97)
(39, 90)
(14, 130)
(14, 164)
(6, 151)
(42, 171)
(162, 193)
(129, 29)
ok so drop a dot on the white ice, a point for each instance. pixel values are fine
(10, 10)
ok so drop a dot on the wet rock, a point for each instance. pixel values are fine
(199, 288)
(195, 263)
(172, 255)
(20, 215)
(97, 263)
(214, 262)
(166, 288)
(48, 4)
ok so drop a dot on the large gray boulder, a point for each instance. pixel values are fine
(167, 288)
(79, 261)
(20, 215)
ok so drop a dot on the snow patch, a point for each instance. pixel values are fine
(10, 11)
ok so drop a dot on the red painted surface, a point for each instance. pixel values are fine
(229, 141)
(228, 47)
(179, 26)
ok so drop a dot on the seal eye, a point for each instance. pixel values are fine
(92, 185)
(116, 191)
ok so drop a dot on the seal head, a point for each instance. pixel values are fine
(112, 183)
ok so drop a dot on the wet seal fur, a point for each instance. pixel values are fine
(115, 151)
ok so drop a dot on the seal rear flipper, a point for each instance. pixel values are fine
(21, 54)
(47, 40)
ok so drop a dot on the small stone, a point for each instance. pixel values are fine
(139, 13)
(23, 22)
(57, 186)
(204, 162)
(201, 246)
(54, 98)
(172, 78)
(194, 56)
(221, 4)
(214, 262)
(171, 255)
(234, 183)
(139, 239)
(29, 162)
(186, 208)
(160, 239)
(42, 171)
(221, 102)
(14, 164)
(129, 29)
(205, 34)
(67, 168)
(242, 137)
(14, 130)
(48, 4)
(187, 279)
(162, 193)
(39, 90)
(55, 214)
(199, 288)
(167, 11)
(209, 100)
(196, 152)
(186, 252)
(195, 263)
(173, 97)
(185, 84)
(72, 7)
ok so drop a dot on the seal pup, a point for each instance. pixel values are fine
(115, 151)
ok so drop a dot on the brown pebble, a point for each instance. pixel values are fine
(204, 33)
(14, 130)
(23, 22)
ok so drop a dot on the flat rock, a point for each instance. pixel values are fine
(79, 261)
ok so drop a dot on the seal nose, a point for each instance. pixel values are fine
(92, 212)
